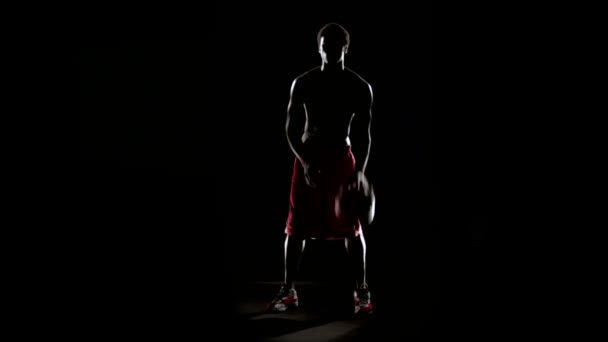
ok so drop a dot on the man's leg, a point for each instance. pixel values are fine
(357, 251)
(287, 297)
(293, 255)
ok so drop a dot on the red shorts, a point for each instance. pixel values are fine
(312, 210)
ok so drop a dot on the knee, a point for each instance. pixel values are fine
(355, 244)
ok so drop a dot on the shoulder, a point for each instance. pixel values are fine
(300, 84)
(361, 84)
(305, 77)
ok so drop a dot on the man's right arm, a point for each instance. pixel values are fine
(296, 120)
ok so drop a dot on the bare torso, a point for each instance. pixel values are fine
(331, 100)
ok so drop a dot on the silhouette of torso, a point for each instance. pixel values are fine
(331, 99)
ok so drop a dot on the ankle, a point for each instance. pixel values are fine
(363, 286)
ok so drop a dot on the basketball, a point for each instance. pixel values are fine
(354, 204)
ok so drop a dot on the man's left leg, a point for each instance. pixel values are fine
(357, 251)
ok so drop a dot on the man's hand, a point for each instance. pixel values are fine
(311, 174)
(359, 183)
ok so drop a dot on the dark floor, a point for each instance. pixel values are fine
(324, 314)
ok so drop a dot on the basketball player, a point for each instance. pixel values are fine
(327, 105)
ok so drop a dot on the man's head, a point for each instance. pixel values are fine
(333, 41)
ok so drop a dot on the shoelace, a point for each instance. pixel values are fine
(363, 297)
(282, 293)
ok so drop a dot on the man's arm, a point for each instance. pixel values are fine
(296, 119)
(363, 138)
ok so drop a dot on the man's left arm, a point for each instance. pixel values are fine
(363, 139)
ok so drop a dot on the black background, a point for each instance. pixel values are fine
(185, 168)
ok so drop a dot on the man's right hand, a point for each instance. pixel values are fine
(311, 174)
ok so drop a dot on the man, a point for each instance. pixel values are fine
(324, 103)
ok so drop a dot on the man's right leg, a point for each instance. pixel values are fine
(287, 298)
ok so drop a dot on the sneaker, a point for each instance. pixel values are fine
(363, 304)
(284, 300)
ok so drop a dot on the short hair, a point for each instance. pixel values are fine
(334, 31)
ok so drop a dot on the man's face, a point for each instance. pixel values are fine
(331, 51)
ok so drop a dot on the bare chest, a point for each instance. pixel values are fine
(331, 102)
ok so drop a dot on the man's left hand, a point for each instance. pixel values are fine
(360, 182)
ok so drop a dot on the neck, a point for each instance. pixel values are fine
(339, 66)
(333, 67)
